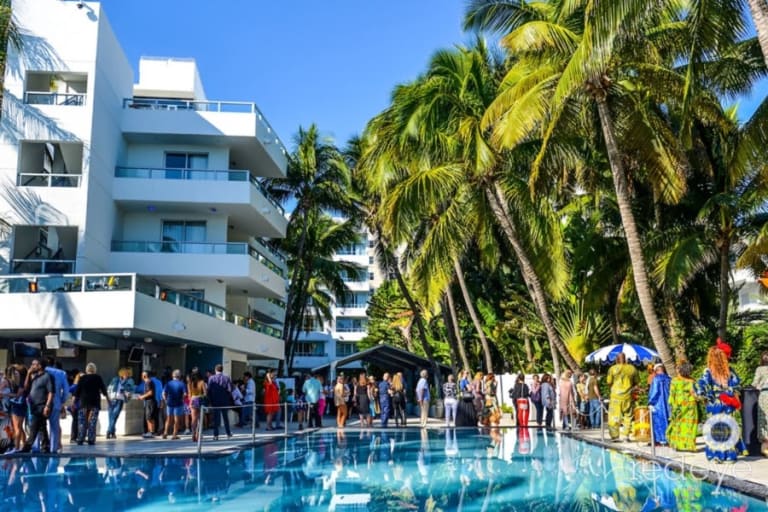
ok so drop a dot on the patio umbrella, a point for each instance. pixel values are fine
(635, 354)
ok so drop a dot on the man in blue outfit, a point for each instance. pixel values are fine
(220, 395)
(385, 399)
(60, 395)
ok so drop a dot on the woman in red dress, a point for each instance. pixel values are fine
(271, 399)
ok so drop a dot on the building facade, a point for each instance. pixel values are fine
(339, 337)
(135, 230)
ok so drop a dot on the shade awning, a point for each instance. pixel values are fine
(389, 357)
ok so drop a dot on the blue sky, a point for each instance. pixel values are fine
(333, 62)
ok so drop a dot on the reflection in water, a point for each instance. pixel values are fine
(451, 469)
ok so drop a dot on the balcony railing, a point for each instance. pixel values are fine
(198, 248)
(40, 266)
(362, 328)
(47, 179)
(236, 107)
(239, 107)
(54, 98)
(159, 173)
(86, 283)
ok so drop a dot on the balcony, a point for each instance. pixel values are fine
(239, 125)
(240, 265)
(273, 309)
(37, 266)
(54, 98)
(43, 179)
(110, 303)
(236, 193)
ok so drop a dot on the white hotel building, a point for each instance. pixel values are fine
(134, 226)
(338, 338)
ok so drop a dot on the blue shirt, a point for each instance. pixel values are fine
(384, 392)
(158, 388)
(60, 386)
(174, 393)
(312, 389)
(422, 390)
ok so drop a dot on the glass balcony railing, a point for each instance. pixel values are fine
(239, 107)
(87, 283)
(159, 173)
(46, 179)
(54, 98)
(41, 266)
(198, 248)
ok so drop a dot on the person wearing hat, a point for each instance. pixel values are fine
(658, 403)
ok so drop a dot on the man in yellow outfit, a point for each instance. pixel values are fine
(622, 378)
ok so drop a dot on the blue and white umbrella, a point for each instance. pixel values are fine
(634, 353)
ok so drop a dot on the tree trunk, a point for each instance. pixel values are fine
(532, 281)
(473, 315)
(450, 334)
(456, 329)
(725, 287)
(759, 10)
(407, 334)
(528, 352)
(634, 246)
(676, 335)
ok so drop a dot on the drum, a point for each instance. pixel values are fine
(641, 427)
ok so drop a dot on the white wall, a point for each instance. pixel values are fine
(169, 78)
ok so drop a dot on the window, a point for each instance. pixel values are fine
(351, 324)
(310, 323)
(186, 160)
(370, 276)
(197, 161)
(352, 276)
(344, 348)
(371, 243)
(310, 349)
(183, 236)
(370, 260)
(355, 300)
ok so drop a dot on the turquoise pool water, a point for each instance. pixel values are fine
(459, 469)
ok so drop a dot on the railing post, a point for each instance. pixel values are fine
(253, 421)
(285, 418)
(650, 424)
(602, 420)
(200, 422)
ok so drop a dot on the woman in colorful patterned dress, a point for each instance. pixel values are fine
(761, 383)
(719, 386)
(684, 413)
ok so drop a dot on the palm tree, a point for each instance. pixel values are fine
(433, 130)
(759, 10)
(318, 181)
(10, 36)
(567, 61)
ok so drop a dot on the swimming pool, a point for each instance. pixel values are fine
(405, 469)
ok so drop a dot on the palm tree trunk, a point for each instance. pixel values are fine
(473, 315)
(633, 238)
(450, 334)
(407, 333)
(532, 281)
(759, 10)
(456, 329)
(725, 287)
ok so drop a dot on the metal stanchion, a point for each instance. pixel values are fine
(253, 421)
(603, 414)
(285, 417)
(200, 422)
(650, 424)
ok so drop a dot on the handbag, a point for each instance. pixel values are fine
(467, 395)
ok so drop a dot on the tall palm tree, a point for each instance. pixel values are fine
(318, 180)
(10, 36)
(566, 60)
(433, 130)
(759, 10)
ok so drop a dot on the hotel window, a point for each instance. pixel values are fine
(186, 161)
(184, 236)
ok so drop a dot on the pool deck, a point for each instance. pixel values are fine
(748, 475)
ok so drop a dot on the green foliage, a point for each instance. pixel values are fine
(388, 315)
(753, 342)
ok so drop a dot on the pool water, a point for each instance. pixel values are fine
(405, 469)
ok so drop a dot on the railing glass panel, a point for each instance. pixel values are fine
(54, 98)
(37, 179)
